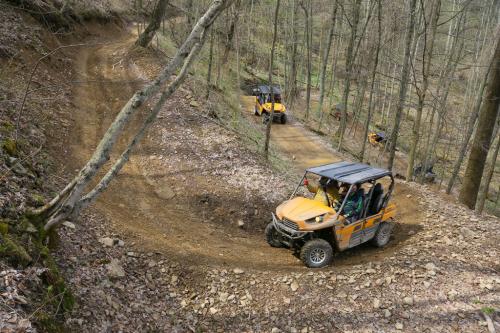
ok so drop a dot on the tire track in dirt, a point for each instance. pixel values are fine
(134, 206)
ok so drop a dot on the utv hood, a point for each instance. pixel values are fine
(301, 209)
(278, 107)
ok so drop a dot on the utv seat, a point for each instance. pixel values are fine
(377, 199)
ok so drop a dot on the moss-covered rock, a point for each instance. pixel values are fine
(10, 147)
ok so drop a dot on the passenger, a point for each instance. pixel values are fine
(353, 204)
(327, 191)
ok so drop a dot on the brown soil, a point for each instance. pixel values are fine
(134, 204)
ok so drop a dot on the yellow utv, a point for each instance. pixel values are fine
(316, 229)
(377, 139)
(263, 103)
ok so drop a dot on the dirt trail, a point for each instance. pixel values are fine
(294, 141)
(134, 204)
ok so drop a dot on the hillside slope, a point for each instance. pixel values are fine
(176, 243)
(188, 265)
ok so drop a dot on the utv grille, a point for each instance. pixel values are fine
(290, 224)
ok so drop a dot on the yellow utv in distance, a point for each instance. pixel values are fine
(263, 103)
(316, 230)
(377, 139)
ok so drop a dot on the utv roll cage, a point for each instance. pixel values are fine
(352, 174)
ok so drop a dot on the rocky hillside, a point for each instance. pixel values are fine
(176, 244)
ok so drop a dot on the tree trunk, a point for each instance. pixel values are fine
(156, 17)
(325, 59)
(270, 79)
(72, 199)
(403, 85)
(482, 138)
(348, 72)
(444, 84)
(307, 14)
(210, 62)
(470, 129)
(230, 33)
(483, 195)
(292, 81)
(374, 74)
(422, 91)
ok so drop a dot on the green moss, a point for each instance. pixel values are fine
(10, 147)
(488, 310)
(37, 200)
(57, 288)
(7, 127)
(13, 252)
(4, 228)
(47, 323)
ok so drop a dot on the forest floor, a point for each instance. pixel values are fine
(176, 243)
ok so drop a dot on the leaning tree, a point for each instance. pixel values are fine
(76, 195)
(484, 131)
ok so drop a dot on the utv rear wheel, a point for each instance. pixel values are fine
(283, 119)
(316, 253)
(383, 234)
(273, 236)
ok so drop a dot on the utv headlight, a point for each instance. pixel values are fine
(317, 219)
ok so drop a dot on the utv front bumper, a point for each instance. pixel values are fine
(288, 231)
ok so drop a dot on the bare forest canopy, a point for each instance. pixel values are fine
(415, 70)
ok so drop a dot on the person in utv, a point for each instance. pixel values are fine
(353, 205)
(326, 192)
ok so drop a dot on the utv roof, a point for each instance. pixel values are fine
(351, 173)
(266, 89)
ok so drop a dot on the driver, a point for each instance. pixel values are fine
(327, 191)
(353, 203)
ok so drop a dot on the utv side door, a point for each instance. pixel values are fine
(370, 227)
(356, 233)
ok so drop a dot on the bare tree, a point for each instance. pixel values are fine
(156, 18)
(324, 60)
(69, 202)
(291, 90)
(429, 37)
(307, 8)
(483, 194)
(374, 74)
(482, 137)
(270, 79)
(403, 84)
(470, 129)
(228, 42)
(348, 70)
(210, 64)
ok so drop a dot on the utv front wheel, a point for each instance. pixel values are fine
(272, 236)
(316, 253)
(383, 234)
(283, 118)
